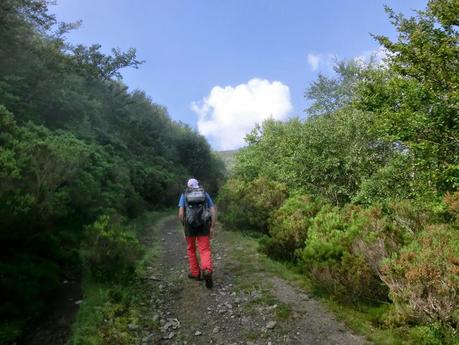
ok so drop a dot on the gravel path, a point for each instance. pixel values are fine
(246, 306)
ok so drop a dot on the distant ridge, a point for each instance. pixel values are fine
(228, 157)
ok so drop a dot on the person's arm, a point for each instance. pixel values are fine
(181, 214)
(181, 211)
(213, 213)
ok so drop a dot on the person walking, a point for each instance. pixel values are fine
(198, 214)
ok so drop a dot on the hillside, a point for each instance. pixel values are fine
(228, 157)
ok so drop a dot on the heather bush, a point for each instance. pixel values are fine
(411, 217)
(344, 250)
(288, 227)
(383, 232)
(424, 277)
(452, 204)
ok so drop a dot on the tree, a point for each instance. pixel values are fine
(330, 94)
(75, 146)
(416, 101)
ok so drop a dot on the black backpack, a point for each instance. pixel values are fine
(197, 214)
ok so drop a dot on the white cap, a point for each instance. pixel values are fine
(192, 183)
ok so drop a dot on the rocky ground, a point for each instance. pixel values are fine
(247, 305)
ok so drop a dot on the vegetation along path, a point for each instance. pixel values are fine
(248, 304)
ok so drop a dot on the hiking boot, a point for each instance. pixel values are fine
(198, 277)
(208, 279)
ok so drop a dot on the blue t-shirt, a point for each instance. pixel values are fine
(209, 201)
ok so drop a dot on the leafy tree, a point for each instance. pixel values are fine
(416, 101)
(380, 147)
(76, 146)
(326, 156)
(329, 94)
(104, 67)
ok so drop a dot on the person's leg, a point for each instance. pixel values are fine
(206, 259)
(192, 259)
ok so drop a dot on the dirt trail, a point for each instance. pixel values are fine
(246, 306)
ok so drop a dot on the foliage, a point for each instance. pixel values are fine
(248, 205)
(117, 311)
(423, 277)
(112, 252)
(328, 95)
(75, 144)
(288, 226)
(416, 100)
(325, 156)
(344, 250)
(379, 148)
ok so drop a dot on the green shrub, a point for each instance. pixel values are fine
(424, 277)
(112, 252)
(248, 205)
(434, 334)
(410, 217)
(424, 335)
(231, 204)
(288, 227)
(344, 249)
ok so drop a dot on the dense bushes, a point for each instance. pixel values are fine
(327, 156)
(344, 250)
(288, 226)
(75, 144)
(367, 172)
(248, 205)
(398, 252)
(424, 276)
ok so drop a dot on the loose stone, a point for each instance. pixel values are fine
(271, 324)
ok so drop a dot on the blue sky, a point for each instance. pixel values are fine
(222, 65)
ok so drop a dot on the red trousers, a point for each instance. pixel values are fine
(204, 253)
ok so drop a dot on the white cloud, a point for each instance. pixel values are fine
(228, 113)
(313, 60)
(323, 62)
(376, 56)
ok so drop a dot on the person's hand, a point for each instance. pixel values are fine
(211, 232)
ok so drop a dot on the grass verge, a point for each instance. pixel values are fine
(121, 313)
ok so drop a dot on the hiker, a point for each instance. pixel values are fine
(198, 215)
